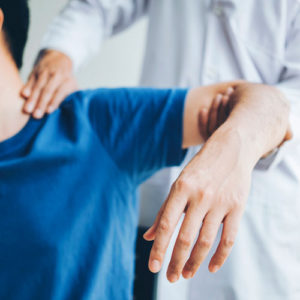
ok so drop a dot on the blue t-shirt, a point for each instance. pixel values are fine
(68, 211)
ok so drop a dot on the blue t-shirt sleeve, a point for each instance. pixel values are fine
(141, 128)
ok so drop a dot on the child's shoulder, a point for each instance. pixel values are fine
(80, 100)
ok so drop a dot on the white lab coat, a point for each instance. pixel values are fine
(195, 42)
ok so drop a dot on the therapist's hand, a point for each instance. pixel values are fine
(49, 83)
(212, 118)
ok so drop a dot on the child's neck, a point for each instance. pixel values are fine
(12, 118)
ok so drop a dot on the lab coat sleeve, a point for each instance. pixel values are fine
(289, 84)
(82, 25)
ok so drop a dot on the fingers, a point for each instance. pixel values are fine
(203, 123)
(46, 94)
(170, 216)
(230, 229)
(67, 87)
(27, 89)
(204, 243)
(149, 235)
(213, 115)
(50, 81)
(222, 114)
(37, 83)
(218, 113)
(228, 104)
(188, 233)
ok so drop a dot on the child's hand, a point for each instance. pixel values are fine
(49, 83)
(211, 119)
(213, 188)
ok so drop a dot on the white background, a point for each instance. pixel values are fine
(118, 64)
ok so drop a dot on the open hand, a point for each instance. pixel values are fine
(49, 83)
(211, 190)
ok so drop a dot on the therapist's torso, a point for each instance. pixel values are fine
(196, 42)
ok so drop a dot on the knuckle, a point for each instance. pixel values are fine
(237, 200)
(208, 193)
(228, 242)
(40, 72)
(157, 252)
(204, 242)
(54, 73)
(182, 184)
(199, 193)
(184, 241)
(164, 224)
(234, 202)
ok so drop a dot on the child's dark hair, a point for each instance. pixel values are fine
(15, 27)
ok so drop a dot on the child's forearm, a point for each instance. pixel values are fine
(213, 188)
(261, 109)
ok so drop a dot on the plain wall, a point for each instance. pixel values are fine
(118, 63)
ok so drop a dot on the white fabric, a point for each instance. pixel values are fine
(195, 42)
(83, 24)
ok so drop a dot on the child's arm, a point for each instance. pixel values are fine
(213, 188)
(258, 100)
(142, 129)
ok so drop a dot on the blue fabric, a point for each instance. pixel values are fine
(68, 211)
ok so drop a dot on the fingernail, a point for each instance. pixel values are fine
(29, 107)
(155, 266)
(147, 231)
(230, 90)
(188, 275)
(173, 278)
(219, 97)
(38, 114)
(26, 92)
(50, 109)
(214, 269)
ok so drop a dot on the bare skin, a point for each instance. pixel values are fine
(214, 187)
(211, 119)
(49, 83)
